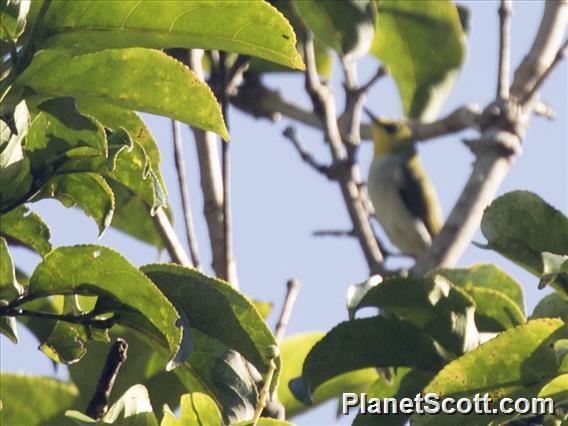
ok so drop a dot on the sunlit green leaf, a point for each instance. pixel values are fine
(35, 401)
(13, 16)
(405, 383)
(99, 271)
(196, 409)
(433, 304)
(88, 191)
(293, 352)
(367, 342)
(213, 307)
(522, 226)
(9, 287)
(250, 27)
(23, 226)
(135, 79)
(492, 369)
(346, 26)
(552, 306)
(423, 46)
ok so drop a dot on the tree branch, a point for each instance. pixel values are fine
(170, 239)
(290, 134)
(99, 402)
(505, 11)
(503, 124)
(255, 99)
(212, 187)
(348, 175)
(292, 290)
(182, 179)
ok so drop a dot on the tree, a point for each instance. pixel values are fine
(73, 75)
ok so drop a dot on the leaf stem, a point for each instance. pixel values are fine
(273, 353)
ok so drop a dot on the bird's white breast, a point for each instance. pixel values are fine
(405, 230)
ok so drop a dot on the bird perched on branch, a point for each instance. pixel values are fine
(404, 198)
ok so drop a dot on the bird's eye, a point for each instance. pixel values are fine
(391, 128)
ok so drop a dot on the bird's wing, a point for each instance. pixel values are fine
(419, 196)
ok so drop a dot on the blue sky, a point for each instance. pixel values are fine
(278, 202)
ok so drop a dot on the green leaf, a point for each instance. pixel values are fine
(15, 175)
(324, 59)
(264, 421)
(133, 216)
(493, 369)
(88, 191)
(362, 343)
(144, 366)
(99, 271)
(423, 46)
(522, 226)
(213, 307)
(433, 304)
(9, 287)
(552, 305)
(25, 227)
(405, 383)
(556, 389)
(134, 407)
(56, 131)
(347, 26)
(293, 352)
(196, 409)
(498, 297)
(115, 118)
(485, 275)
(135, 79)
(8, 325)
(64, 345)
(555, 272)
(251, 28)
(13, 15)
(35, 401)
(221, 373)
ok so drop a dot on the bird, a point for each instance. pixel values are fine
(404, 199)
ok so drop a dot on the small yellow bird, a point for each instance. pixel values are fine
(404, 198)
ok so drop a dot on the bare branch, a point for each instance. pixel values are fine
(206, 144)
(235, 73)
(292, 290)
(557, 59)
(503, 125)
(334, 233)
(505, 11)
(257, 100)
(170, 239)
(182, 180)
(348, 175)
(290, 134)
(544, 110)
(115, 358)
(381, 72)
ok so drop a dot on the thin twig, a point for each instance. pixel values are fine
(348, 175)
(307, 157)
(334, 233)
(99, 402)
(235, 73)
(505, 11)
(170, 239)
(258, 101)
(85, 319)
(182, 180)
(560, 55)
(380, 73)
(545, 110)
(292, 290)
(225, 167)
(273, 353)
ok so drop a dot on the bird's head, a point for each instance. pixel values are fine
(391, 137)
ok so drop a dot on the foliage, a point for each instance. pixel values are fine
(74, 75)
